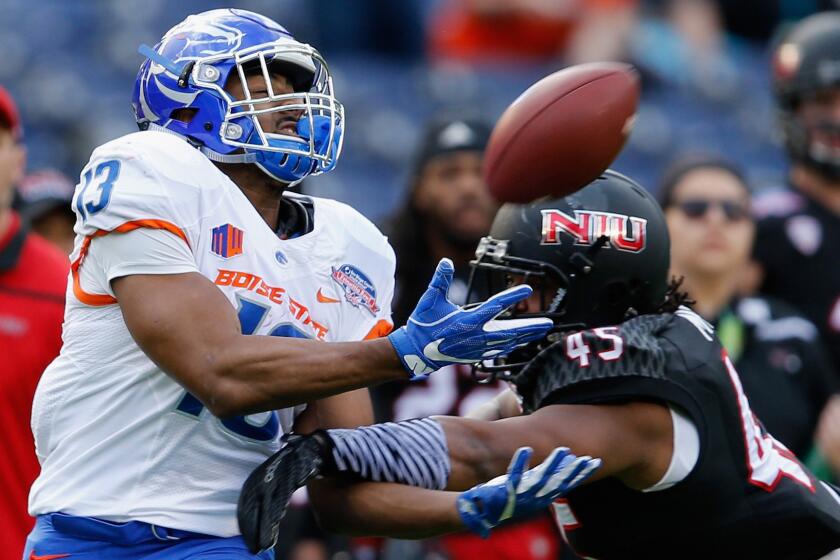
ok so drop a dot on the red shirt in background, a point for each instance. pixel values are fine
(459, 32)
(33, 278)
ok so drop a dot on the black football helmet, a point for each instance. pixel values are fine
(806, 61)
(595, 257)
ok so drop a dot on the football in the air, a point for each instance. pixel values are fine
(562, 133)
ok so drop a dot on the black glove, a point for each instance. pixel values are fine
(267, 491)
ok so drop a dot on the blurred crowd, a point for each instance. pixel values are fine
(398, 64)
(755, 224)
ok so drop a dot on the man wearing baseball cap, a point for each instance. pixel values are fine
(46, 197)
(448, 208)
(447, 211)
(33, 276)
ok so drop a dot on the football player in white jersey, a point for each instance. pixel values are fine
(160, 405)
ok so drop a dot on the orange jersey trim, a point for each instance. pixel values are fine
(98, 300)
(380, 329)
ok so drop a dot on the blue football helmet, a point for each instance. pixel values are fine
(193, 63)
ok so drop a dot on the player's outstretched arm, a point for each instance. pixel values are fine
(400, 511)
(383, 509)
(634, 440)
(186, 325)
(357, 508)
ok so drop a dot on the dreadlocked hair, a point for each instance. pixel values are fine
(675, 297)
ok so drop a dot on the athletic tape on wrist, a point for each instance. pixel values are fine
(412, 452)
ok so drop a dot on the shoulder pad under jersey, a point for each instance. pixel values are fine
(629, 350)
(146, 176)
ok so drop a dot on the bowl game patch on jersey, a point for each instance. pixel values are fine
(358, 289)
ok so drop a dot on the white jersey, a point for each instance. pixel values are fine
(119, 439)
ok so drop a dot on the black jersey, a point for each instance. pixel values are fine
(784, 369)
(798, 246)
(747, 496)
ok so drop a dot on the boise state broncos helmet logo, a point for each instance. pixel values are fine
(197, 37)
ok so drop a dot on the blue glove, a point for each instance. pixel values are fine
(521, 492)
(440, 333)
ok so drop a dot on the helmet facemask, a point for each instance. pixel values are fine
(319, 116)
(493, 270)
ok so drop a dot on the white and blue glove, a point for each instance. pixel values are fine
(522, 492)
(440, 333)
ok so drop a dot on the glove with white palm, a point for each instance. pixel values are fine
(439, 332)
(522, 492)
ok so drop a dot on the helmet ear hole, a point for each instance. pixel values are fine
(614, 298)
(615, 294)
(185, 115)
(617, 300)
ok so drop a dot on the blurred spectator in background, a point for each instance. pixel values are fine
(798, 239)
(531, 30)
(383, 40)
(47, 196)
(683, 44)
(799, 236)
(33, 278)
(784, 368)
(447, 212)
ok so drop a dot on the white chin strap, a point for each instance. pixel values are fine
(211, 155)
(227, 158)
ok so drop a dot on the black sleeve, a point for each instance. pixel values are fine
(625, 362)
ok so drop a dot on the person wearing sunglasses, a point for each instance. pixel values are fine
(785, 370)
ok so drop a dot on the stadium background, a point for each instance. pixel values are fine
(71, 64)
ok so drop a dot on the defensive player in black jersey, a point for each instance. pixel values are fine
(630, 375)
(798, 238)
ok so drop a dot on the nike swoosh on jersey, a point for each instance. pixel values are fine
(325, 299)
(33, 556)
